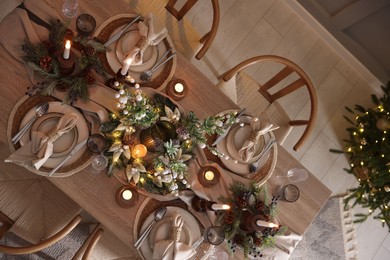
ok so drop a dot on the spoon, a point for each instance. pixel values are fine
(40, 110)
(158, 215)
(253, 167)
(147, 75)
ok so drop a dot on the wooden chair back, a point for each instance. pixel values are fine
(6, 224)
(45, 243)
(288, 68)
(208, 38)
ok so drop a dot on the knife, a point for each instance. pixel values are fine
(33, 17)
(119, 34)
(75, 150)
(226, 131)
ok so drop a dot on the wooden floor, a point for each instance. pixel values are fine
(258, 27)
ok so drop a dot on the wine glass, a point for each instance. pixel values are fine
(297, 175)
(99, 163)
(70, 8)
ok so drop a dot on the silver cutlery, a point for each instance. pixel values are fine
(75, 150)
(40, 110)
(147, 75)
(119, 34)
(158, 215)
(253, 167)
(226, 130)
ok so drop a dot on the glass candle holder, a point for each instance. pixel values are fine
(96, 143)
(99, 163)
(85, 24)
(177, 89)
(214, 235)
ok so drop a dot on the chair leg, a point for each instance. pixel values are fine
(6, 224)
(179, 13)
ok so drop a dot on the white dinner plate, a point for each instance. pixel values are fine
(127, 42)
(239, 167)
(134, 71)
(81, 126)
(236, 139)
(190, 232)
(65, 143)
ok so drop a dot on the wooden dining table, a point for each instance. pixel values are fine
(95, 193)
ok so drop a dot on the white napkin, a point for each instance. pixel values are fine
(151, 35)
(173, 249)
(284, 246)
(258, 129)
(40, 148)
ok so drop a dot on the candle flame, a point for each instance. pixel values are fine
(67, 44)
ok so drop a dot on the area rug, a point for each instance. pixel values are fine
(331, 236)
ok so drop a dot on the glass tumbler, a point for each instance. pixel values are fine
(289, 193)
(70, 8)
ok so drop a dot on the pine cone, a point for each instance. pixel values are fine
(62, 86)
(90, 78)
(229, 218)
(89, 50)
(46, 63)
(257, 241)
(259, 206)
(69, 34)
(238, 239)
(243, 201)
(128, 139)
(49, 45)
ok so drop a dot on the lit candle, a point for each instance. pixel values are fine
(179, 88)
(262, 223)
(209, 175)
(216, 206)
(66, 54)
(127, 194)
(139, 151)
(126, 66)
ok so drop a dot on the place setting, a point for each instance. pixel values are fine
(138, 47)
(248, 148)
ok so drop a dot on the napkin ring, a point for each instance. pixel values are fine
(143, 43)
(176, 233)
(254, 135)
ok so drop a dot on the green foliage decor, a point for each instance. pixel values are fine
(41, 58)
(368, 148)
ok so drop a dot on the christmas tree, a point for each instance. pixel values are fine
(368, 148)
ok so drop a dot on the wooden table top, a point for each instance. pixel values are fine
(96, 192)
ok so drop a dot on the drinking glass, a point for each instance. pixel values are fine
(289, 193)
(70, 8)
(99, 163)
(96, 143)
(215, 235)
(297, 175)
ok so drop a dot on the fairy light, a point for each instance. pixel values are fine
(350, 149)
(384, 132)
(370, 210)
(382, 155)
(383, 138)
(361, 130)
(354, 133)
(361, 147)
(142, 180)
(362, 163)
(352, 165)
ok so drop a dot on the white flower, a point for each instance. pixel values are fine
(134, 171)
(118, 149)
(171, 116)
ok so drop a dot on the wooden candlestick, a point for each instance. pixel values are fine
(66, 65)
(177, 89)
(209, 176)
(126, 196)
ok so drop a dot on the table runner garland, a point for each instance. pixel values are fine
(158, 124)
(43, 58)
(249, 204)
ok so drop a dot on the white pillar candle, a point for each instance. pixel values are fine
(262, 223)
(127, 194)
(179, 88)
(216, 206)
(126, 66)
(66, 54)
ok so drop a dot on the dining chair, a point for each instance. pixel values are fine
(44, 243)
(236, 82)
(208, 38)
(5, 224)
(36, 206)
